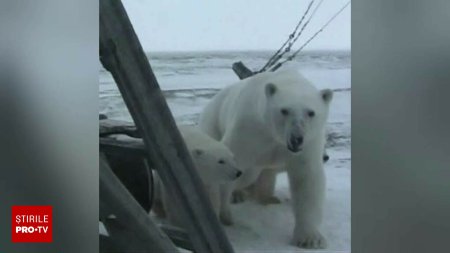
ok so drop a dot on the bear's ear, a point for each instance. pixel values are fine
(270, 89)
(197, 152)
(326, 95)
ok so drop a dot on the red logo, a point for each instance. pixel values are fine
(32, 224)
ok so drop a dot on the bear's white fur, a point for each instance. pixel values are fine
(275, 120)
(215, 165)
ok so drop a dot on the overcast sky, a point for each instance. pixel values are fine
(185, 25)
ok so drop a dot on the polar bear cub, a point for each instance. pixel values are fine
(215, 165)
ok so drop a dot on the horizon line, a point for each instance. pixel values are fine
(241, 50)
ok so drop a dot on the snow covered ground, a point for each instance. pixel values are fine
(189, 80)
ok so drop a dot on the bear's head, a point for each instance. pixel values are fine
(296, 112)
(215, 164)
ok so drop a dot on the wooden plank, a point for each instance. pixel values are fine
(122, 54)
(132, 229)
(109, 126)
(118, 235)
(106, 244)
(241, 70)
(130, 147)
(178, 236)
(102, 116)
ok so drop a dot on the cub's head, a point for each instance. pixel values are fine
(216, 164)
(296, 112)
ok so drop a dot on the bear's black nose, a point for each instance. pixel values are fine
(238, 173)
(326, 158)
(296, 141)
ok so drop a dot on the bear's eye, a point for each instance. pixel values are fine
(221, 161)
(311, 113)
(284, 111)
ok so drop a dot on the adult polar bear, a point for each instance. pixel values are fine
(275, 120)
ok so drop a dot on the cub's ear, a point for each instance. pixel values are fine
(326, 95)
(270, 89)
(197, 152)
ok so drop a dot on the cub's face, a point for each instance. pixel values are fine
(216, 165)
(296, 117)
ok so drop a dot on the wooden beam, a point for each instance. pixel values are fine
(178, 236)
(132, 228)
(122, 54)
(106, 244)
(132, 148)
(109, 126)
(102, 116)
(241, 70)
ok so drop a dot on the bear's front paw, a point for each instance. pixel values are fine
(308, 238)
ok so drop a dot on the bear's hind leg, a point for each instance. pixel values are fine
(264, 187)
(239, 196)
